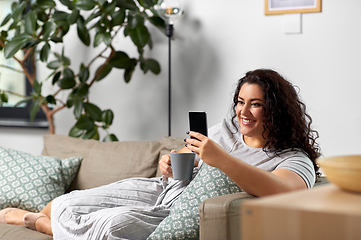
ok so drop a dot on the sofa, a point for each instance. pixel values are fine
(82, 164)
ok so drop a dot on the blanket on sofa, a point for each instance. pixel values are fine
(127, 209)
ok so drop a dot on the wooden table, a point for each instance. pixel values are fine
(324, 212)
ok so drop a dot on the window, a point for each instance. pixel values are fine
(13, 80)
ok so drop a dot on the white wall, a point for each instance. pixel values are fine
(216, 43)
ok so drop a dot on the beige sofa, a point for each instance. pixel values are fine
(105, 163)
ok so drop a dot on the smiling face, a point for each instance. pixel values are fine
(249, 112)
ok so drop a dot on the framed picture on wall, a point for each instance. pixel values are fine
(292, 6)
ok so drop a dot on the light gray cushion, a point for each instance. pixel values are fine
(105, 162)
(29, 182)
(183, 220)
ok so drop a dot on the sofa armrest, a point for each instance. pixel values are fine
(220, 217)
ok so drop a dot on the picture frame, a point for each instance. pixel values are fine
(273, 7)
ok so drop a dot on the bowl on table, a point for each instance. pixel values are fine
(344, 171)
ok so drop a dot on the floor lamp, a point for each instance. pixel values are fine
(169, 10)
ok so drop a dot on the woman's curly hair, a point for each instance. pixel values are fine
(286, 122)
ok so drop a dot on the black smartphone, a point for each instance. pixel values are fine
(198, 122)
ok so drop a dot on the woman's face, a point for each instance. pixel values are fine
(249, 112)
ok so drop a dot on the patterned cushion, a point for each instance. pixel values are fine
(183, 220)
(29, 182)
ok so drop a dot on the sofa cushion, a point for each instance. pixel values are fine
(29, 182)
(20, 232)
(183, 220)
(105, 162)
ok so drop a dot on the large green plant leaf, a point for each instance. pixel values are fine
(27, 99)
(42, 16)
(120, 60)
(68, 73)
(110, 138)
(82, 91)
(92, 134)
(127, 4)
(6, 20)
(98, 39)
(84, 123)
(109, 7)
(30, 22)
(102, 37)
(45, 4)
(147, 3)
(93, 111)
(18, 12)
(66, 83)
(73, 17)
(13, 47)
(128, 73)
(54, 65)
(48, 29)
(158, 22)
(78, 108)
(85, 4)
(139, 36)
(37, 87)
(83, 32)
(68, 3)
(93, 16)
(118, 17)
(76, 132)
(107, 117)
(103, 71)
(60, 17)
(56, 39)
(44, 52)
(135, 21)
(150, 64)
(84, 73)
(34, 107)
(56, 77)
(50, 99)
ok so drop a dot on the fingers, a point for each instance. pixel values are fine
(193, 148)
(194, 144)
(196, 135)
(164, 165)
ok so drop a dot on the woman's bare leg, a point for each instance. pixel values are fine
(44, 224)
(36, 221)
(14, 216)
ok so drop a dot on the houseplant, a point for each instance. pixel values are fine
(35, 27)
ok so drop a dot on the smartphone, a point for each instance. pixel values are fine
(198, 122)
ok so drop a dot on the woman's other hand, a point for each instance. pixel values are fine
(164, 165)
(209, 151)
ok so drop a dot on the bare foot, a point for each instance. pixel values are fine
(15, 216)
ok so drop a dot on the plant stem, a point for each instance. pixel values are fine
(95, 58)
(13, 93)
(11, 68)
(102, 66)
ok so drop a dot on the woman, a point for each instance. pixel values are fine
(267, 147)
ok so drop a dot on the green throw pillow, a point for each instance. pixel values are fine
(183, 220)
(29, 182)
